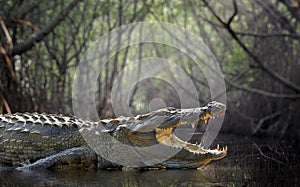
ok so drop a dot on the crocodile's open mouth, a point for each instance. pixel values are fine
(166, 136)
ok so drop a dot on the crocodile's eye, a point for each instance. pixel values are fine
(205, 109)
(171, 108)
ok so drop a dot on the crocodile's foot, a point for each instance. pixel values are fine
(24, 163)
(74, 158)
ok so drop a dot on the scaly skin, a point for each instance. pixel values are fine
(34, 141)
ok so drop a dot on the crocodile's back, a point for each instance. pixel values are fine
(27, 137)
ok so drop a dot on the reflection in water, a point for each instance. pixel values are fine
(104, 178)
(244, 165)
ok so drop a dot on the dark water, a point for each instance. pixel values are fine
(249, 163)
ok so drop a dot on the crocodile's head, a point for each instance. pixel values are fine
(159, 127)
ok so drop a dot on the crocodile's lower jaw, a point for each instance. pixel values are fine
(167, 137)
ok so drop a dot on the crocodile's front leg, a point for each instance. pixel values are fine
(74, 158)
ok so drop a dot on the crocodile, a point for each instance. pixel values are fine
(52, 141)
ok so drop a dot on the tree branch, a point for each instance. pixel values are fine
(8, 61)
(267, 35)
(25, 7)
(264, 155)
(234, 12)
(38, 36)
(263, 119)
(262, 92)
(273, 74)
(5, 103)
(4, 28)
(28, 23)
(293, 8)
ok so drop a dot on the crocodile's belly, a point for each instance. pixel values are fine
(25, 138)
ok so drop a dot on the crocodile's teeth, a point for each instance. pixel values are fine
(226, 148)
(193, 125)
(218, 147)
